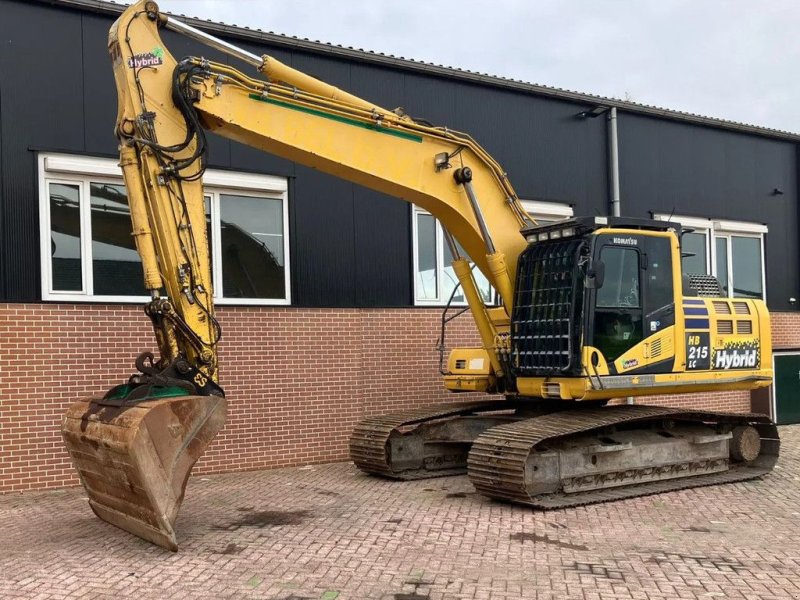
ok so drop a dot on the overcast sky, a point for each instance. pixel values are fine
(732, 59)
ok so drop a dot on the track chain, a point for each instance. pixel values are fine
(497, 460)
(368, 442)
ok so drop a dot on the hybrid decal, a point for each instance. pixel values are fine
(698, 351)
(629, 364)
(738, 355)
(147, 59)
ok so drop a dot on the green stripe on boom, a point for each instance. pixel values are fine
(340, 119)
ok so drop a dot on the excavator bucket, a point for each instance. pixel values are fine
(134, 461)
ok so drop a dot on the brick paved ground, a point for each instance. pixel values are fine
(329, 533)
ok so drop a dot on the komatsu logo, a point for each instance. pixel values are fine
(626, 241)
(147, 59)
(741, 355)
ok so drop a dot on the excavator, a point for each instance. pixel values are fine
(589, 311)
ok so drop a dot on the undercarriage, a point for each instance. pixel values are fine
(540, 454)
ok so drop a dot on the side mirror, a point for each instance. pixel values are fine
(595, 274)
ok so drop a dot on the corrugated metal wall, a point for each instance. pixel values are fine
(351, 246)
(2, 218)
(697, 171)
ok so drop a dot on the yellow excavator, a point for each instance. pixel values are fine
(588, 310)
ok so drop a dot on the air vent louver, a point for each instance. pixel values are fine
(655, 348)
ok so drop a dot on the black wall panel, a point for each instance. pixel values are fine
(351, 246)
(384, 87)
(41, 70)
(668, 167)
(322, 240)
(2, 217)
(100, 98)
(382, 265)
(548, 152)
(430, 98)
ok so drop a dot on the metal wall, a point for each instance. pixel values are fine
(351, 246)
(688, 170)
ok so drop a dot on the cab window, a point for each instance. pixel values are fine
(621, 286)
(618, 313)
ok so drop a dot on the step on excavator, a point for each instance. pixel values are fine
(584, 310)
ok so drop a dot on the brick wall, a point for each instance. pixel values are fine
(297, 379)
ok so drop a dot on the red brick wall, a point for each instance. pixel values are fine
(296, 379)
(786, 331)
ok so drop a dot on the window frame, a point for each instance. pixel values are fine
(69, 169)
(714, 229)
(609, 247)
(546, 211)
(416, 211)
(45, 241)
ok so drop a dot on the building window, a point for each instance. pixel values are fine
(434, 279)
(88, 253)
(732, 251)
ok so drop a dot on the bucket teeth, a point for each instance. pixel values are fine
(134, 461)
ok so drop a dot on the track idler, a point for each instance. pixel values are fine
(134, 461)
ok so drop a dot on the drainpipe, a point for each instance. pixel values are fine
(613, 174)
(613, 161)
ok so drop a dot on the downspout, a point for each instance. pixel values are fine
(613, 175)
(613, 162)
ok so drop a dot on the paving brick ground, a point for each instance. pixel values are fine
(329, 532)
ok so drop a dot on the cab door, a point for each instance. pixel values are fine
(634, 306)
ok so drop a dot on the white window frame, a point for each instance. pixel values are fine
(439, 241)
(82, 170)
(546, 211)
(714, 229)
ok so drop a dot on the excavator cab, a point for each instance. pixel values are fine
(634, 300)
(601, 309)
(589, 293)
(601, 306)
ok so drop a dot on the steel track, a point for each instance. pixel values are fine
(497, 461)
(498, 458)
(369, 440)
